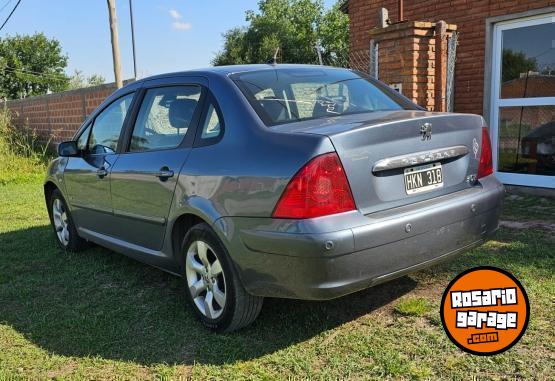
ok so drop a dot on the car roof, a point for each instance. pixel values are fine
(231, 69)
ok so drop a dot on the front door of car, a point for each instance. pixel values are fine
(87, 177)
(145, 175)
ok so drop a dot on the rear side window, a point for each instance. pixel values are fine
(165, 117)
(285, 95)
(107, 126)
(211, 127)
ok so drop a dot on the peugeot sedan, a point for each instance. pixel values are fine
(287, 181)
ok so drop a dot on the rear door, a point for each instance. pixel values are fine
(158, 144)
(87, 177)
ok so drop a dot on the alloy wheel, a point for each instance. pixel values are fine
(205, 279)
(61, 224)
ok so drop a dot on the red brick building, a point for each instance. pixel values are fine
(504, 69)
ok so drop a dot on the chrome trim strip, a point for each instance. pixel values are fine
(91, 207)
(416, 158)
(124, 214)
(150, 219)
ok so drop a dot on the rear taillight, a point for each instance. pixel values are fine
(320, 188)
(485, 168)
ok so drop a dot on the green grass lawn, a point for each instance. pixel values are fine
(99, 315)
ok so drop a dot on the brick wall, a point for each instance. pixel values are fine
(468, 15)
(55, 117)
(407, 56)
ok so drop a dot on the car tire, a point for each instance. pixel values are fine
(211, 280)
(62, 223)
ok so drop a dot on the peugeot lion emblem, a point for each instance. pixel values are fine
(426, 131)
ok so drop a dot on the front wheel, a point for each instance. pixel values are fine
(212, 285)
(62, 223)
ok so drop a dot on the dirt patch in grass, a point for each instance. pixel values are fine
(528, 224)
(528, 207)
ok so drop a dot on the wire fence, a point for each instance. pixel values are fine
(451, 58)
(369, 60)
(358, 60)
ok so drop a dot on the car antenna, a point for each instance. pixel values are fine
(273, 60)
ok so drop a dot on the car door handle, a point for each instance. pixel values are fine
(164, 173)
(101, 172)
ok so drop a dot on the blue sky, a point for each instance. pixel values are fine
(170, 35)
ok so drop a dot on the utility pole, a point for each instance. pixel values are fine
(319, 52)
(115, 42)
(133, 38)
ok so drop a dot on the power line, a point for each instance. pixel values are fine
(35, 74)
(10, 15)
(40, 74)
(43, 76)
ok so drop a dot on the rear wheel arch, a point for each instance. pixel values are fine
(180, 227)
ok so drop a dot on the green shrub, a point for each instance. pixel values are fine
(22, 157)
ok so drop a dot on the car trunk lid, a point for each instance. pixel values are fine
(377, 149)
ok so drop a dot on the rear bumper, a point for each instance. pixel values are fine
(328, 257)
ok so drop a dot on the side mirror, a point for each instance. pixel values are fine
(68, 149)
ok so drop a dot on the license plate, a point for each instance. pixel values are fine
(423, 178)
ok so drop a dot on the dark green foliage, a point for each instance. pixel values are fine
(31, 65)
(515, 63)
(293, 26)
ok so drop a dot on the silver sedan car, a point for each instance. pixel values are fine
(287, 181)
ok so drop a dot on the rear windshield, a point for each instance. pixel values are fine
(289, 95)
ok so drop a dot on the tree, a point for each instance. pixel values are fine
(515, 63)
(78, 80)
(293, 26)
(31, 65)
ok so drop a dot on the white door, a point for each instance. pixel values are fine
(523, 101)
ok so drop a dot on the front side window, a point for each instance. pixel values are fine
(164, 118)
(107, 126)
(287, 95)
(84, 139)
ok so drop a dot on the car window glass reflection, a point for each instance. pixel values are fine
(288, 95)
(107, 126)
(211, 127)
(164, 118)
(83, 139)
